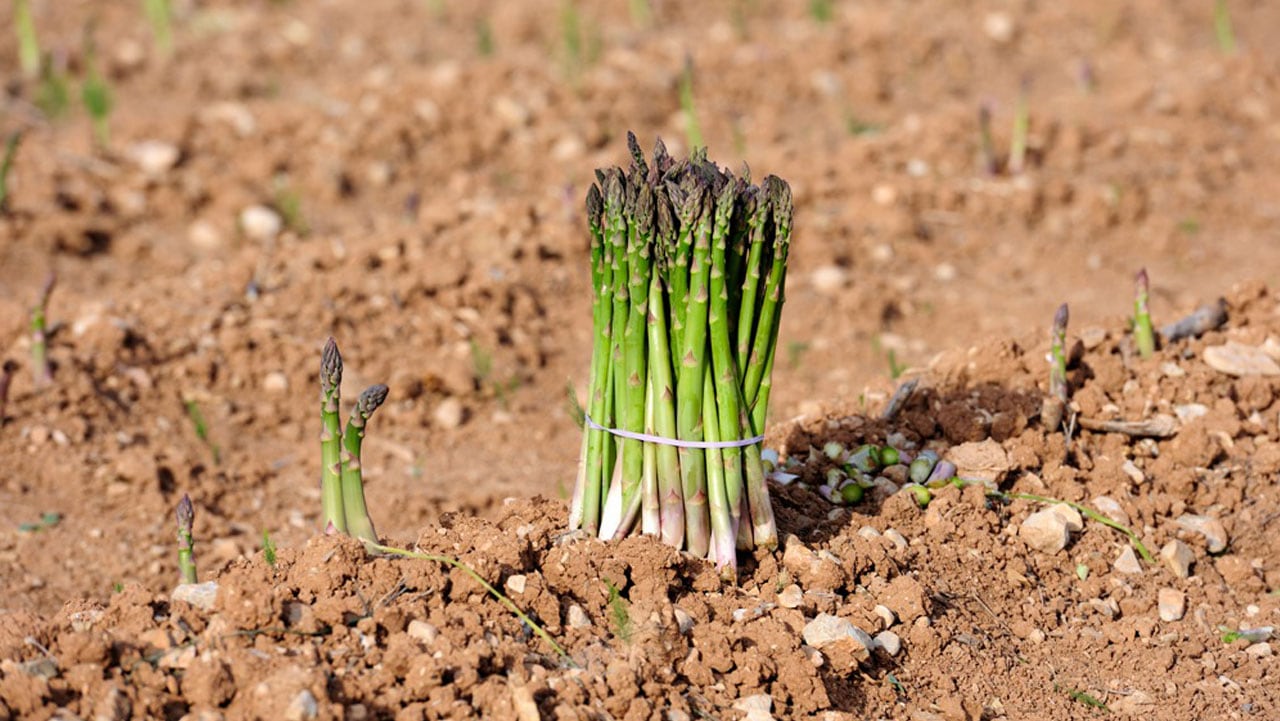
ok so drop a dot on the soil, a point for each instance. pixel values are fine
(427, 162)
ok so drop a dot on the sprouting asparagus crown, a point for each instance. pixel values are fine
(186, 517)
(368, 402)
(1060, 324)
(330, 368)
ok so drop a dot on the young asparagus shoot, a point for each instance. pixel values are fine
(95, 93)
(692, 128)
(1055, 404)
(186, 540)
(1222, 28)
(28, 44)
(160, 17)
(1143, 336)
(6, 165)
(334, 519)
(1021, 126)
(358, 522)
(40, 336)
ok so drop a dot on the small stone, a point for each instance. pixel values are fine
(275, 382)
(261, 223)
(578, 617)
(1215, 535)
(526, 707)
(516, 583)
(303, 707)
(204, 235)
(814, 655)
(423, 631)
(885, 614)
(1045, 531)
(999, 26)
(1172, 370)
(1128, 562)
(980, 461)
(1237, 359)
(450, 414)
(1070, 516)
(1259, 650)
(1172, 604)
(1112, 509)
(684, 621)
(829, 279)
(825, 630)
(1188, 412)
(884, 195)
(1178, 556)
(869, 533)
(201, 595)
(114, 705)
(791, 597)
(889, 641)
(1134, 473)
(154, 157)
(898, 539)
(757, 707)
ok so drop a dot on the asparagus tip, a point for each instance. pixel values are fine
(186, 514)
(1060, 319)
(1142, 281)
(372, 397)
(330, 366)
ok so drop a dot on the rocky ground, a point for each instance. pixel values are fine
(407, 177)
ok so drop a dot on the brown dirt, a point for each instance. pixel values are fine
(439, 238)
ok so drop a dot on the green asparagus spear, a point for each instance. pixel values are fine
(357, 515)
(334, 517)
(186, 541)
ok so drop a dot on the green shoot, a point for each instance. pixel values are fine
(28, 44)
(357, 515)
(288, 203)
(1222, 29)
(619, 613)
(39, 336)
(95, 93)
(117, 587)
(268, 549)
(1055, 404)
(334, 520)
(1084, 698)
(857, 127)
(1021, 127)
(575, 406)
(53, 96)
(821, 11)
(202, 429)
(484, 38)
(186, 541)
(47, 520)
(1250, 635)
(1143, 336)
(495, 593)
(160, 16)
(796, 351)
(896, 368)
(692, 128)
(6, 165)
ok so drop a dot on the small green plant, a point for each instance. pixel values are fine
(1250, 635)
(484, 38)
(268, 549)
(796, 351)
(160, 17)
(186, 541)
(821, 11)
(1083, 697)
(48, 520)
(53, 95)
(619, 613)
(580, 46)
(28, 44)
(341, 476)
(1021, 127)
(692, 128)
(1189, 226)
(1054, 407)
(1143, 335)
(6, 165)
(95, 93)
(288, 203)
(1222, 28)
(40, 368)
(201, 428)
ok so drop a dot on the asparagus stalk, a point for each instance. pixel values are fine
(357, 515)
(670, 497)
(1143, 336)
(186, 540)
(1054, 406)
(692, 364)
(334, 516)
(591, 438)
(724, 369)
(722, 548)
(639, 268)
(39, 335)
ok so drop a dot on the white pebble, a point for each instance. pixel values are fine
(1045, 531)
(1172, 604)
(1128, 562)
(889, 641)
(260, 223)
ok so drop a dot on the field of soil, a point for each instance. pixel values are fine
(408, 177)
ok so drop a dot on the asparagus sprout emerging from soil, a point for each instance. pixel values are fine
(40, 335)
(6, 165)
(688, 265)
(28, 45)
(358, 522)
(186, 540)
(334, 520)
(1055, 404)
(1143, 336)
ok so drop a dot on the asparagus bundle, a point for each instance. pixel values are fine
(688, 266)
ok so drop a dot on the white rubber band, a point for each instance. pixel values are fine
(663, 440)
